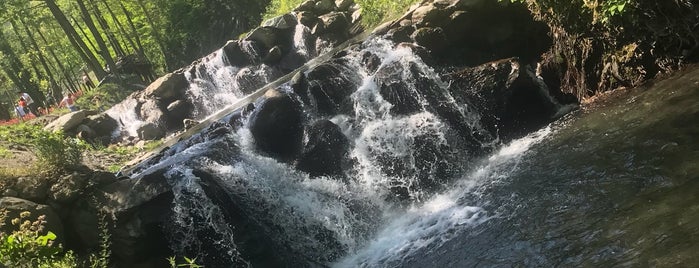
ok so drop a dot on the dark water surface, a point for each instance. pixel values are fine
(617, 186)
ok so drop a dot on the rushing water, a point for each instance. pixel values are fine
(600, 188)
(615, 186)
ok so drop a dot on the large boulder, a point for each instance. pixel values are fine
(330, 85)
(168, 87)
(334, 22)
(68, 188)
(67, 122)
(326, 150)
(277, 125)
(102, 124)
(433, 39)
(150, 131)
(151, 112)
(237, 55)
(511, 98)
(285, 21)
(270, 37)
(32, 188)
(15, 206)
(141, 206)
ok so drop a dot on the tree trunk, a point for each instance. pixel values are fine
(104, 51)
(140, 51)
(70, 82)
(42, 60)
(155, 33)
(123, 32)
(75, 40)
(116, 45)
(16, 71)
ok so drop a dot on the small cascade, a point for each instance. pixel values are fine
(210, 86)
(125, 114)
(401, 161)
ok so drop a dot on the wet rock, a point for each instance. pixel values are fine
(250, 79)
(433, 39)
(273, 56)
(334, 22)
(306, 18)
(330, 85)
(68, 188)
(236, 55)
(324, 6)
(370, 61)
(67, 122)
(429, 15)
(270, 37)
(150, 131)
(400, 34)
(306, 6)
(512, 100)
(285, 21)
(402, 97)
(189, 123)
(177, 111)
(151, 112)
(102, 124)
(168, 87)
(15, 206)
(343, 5)
(277, 126)
(326, 150)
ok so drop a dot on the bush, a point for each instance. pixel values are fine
(53, 149)
(28, 246)
(279, 7)
(374, 12)
(102, 97)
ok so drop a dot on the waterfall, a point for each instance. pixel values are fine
(412, 162)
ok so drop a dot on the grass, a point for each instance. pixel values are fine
(279, 7)
(374, 12)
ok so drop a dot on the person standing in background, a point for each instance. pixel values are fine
(30, 103)
(69, 102)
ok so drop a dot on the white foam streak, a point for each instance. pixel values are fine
(436, 221)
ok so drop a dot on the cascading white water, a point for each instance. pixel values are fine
(443, 216)
(355, 221)
(125, 114)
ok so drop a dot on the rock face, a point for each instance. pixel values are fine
(326, 150)
(512, 99)
(277, 125)
(472, 32)
(67, 121)
(15, 206)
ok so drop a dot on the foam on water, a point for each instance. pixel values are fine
(443, 217)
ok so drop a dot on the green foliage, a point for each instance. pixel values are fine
(581, 11)
(101, 259)
(102, 97)
(54, 150)
(189, 263)
(30, 246)
(374, 12)
(280, 7)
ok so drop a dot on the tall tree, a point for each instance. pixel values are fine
(77, 43)
(104, 51)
